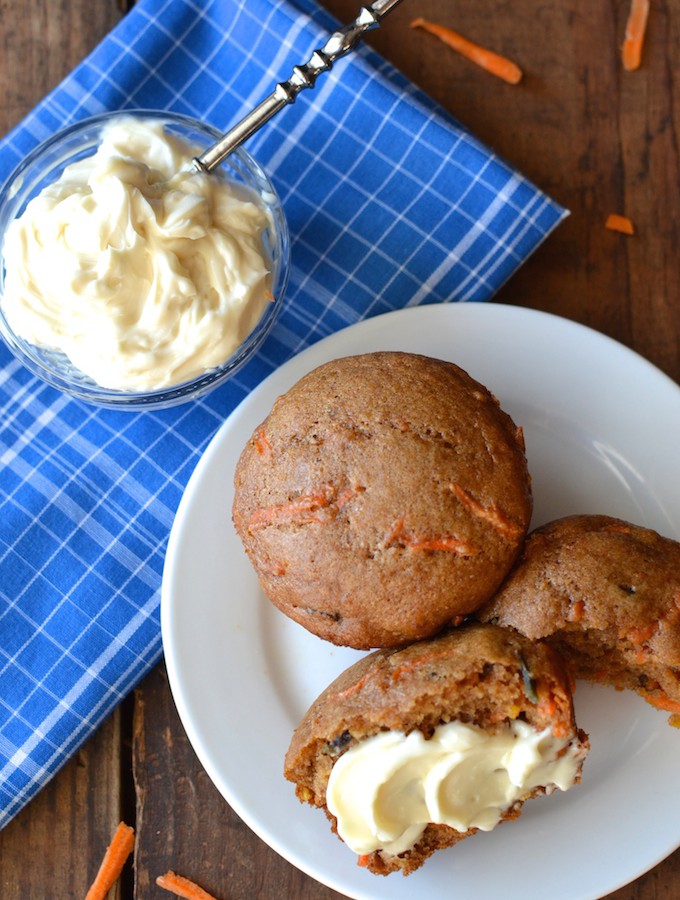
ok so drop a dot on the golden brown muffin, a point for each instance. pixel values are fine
(606, 593)
(385, 496)
(484, 677)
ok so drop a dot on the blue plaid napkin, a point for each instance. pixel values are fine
(390, 203)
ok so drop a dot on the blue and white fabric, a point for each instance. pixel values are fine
(390, 203)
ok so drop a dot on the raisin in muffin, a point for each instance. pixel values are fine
(412, 750)
(385, 496)
(607, 594)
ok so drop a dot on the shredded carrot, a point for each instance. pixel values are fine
(307, 508)
(262, 445)
(623, 225)
(411, 664)
(363, 859)
(638, 636)
(491, 514)
(548, 706)
(449, 543)
(560, 730)
(269, 296)
(617, 528)
(182, 887)
(661, 701)
(575, 611)
(320, 506)
(636, 26)
(121, 846)
(491, 62)
(354, 687)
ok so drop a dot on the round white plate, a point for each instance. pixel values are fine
(602, 430)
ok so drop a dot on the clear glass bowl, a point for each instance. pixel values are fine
(45, 164)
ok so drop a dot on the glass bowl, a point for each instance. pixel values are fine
(45, 164)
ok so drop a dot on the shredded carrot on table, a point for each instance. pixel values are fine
(182, 887)
(121, 846)
(622, 224)
(497, 65)
(636, 26)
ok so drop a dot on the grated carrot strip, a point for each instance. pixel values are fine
(636, 27)
(121, 846)
(182, 887)
(661, 701)
(491, 514)
(448, 543)
(307, 508)
(622, 224)
(261, 442)
(497, 65)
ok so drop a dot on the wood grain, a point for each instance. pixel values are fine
(599, 140)
(53, 847)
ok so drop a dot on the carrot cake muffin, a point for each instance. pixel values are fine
(385, 496)
(607, 594)
(412, 750)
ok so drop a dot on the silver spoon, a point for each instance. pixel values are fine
(304, 76)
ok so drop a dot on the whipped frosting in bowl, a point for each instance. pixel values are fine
(129, 277)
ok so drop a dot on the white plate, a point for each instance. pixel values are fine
(602, 430)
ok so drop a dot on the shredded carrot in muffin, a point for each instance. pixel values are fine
(575, 612)
(262, 445)
(638, 635)
(320, 507)
(449, 543)
(491, 514)
(497, 65)
(661, 701)
(617, 527)
(417, 662)
(342, 695)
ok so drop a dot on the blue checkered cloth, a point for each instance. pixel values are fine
(390, 203)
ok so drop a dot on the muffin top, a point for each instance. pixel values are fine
(384, 496)
(600, 576)
(474, 696)
(478, 674)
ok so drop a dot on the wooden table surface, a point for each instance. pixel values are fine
(595, 137)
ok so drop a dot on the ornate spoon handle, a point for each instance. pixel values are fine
(304, 76)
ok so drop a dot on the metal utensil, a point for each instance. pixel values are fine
(304, 76)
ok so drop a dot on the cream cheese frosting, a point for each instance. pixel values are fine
(385, 789)
(144, 271)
